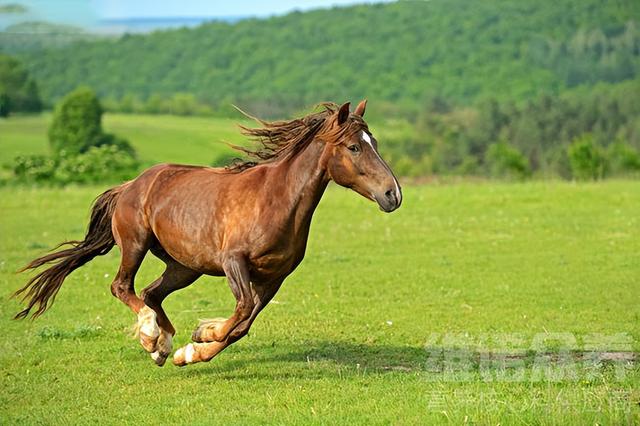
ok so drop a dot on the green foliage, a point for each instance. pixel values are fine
(18, 91)
(623, 159)
(77, 123)
(540, 129)
(83, 153)
(4, 105)
(176, 104)
(77, 126)
(34, 168)
(101, 164)
(35, 36)
(105, 163)
(587, 159)
(460, 51)
(505, 161)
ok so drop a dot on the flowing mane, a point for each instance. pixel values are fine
(280, 139)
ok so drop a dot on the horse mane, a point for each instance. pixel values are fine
(276, 140)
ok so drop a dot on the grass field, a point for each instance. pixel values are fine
(478, 303)
(156, 138)
(466, 271)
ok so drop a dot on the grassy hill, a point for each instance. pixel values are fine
(405, 52)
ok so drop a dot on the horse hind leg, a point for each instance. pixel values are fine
(134, 240)
(155, 329)
(124, 289)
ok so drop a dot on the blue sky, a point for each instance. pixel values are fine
(163, 8)
(87, 12)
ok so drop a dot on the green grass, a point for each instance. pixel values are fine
(156, 138)
(352, 334)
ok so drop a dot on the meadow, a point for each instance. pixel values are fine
(159, 138)
(475, 302)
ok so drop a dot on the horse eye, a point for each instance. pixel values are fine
(354, 148)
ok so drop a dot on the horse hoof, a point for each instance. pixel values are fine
(159, 358)
(163, 348)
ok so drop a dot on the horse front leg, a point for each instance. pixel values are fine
(212, 337)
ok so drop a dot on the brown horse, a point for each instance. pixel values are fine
(249, 221)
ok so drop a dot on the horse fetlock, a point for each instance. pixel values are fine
(148, 330)
(209, 331)
(187, 355)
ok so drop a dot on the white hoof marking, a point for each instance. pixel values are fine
(147, 322)
(189, 350)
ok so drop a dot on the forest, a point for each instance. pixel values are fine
(500, 88)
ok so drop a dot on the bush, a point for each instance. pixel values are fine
(106, 163)
(77, 123)
(623, 159)
(587, 160)
(506, 161)
(34, 168)
(98, 164)
(82, 152)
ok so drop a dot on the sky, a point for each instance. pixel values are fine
(116, 9)
(88, 12)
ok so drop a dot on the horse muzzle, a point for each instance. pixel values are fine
(390, 200)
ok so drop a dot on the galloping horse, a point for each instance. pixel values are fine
(249, 221)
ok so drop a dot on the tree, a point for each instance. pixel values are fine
(77, 126)
(587, 159)
(506, 161)
(18, 92)
(77, 123)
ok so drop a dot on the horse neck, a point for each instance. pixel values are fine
(305, 182)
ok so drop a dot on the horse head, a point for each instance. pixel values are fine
(352, 159)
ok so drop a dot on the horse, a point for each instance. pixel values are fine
(248, 221)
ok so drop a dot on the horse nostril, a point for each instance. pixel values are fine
(391, 195)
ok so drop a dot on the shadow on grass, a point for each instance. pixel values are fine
(317, 359)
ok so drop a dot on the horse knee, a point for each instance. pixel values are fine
(116, 288)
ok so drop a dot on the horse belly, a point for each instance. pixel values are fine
(189, 244)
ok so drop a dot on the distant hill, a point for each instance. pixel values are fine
(13, 8)
(405, 53)
(35, 36)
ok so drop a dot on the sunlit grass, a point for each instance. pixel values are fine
(350, 335)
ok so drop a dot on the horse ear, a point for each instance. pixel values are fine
(343, 113)
(362, 106)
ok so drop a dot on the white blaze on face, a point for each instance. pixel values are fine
(367, 139)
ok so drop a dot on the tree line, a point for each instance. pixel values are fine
(404, 52)
(495, 88)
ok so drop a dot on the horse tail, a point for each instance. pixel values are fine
(41, 290)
